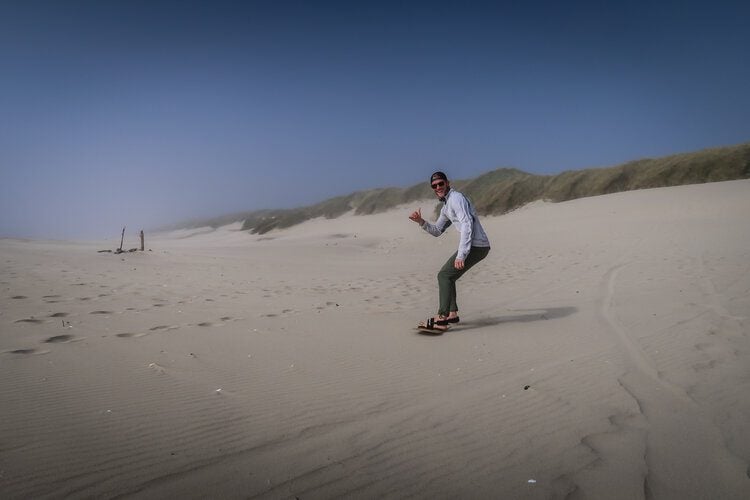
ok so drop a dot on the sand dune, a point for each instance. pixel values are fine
(604, 352)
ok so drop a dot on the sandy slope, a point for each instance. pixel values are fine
(604, 352)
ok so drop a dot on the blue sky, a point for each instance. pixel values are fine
(142, 113)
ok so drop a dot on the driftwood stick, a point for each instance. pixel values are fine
(122, 238)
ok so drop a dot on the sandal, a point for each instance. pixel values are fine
(432, 326)
(446, 321)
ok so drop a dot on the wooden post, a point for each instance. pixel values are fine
(142, 244)
(122, 239)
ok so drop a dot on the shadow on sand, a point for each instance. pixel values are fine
(522, 316)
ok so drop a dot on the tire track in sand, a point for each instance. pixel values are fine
(686, 456)
(636, 359)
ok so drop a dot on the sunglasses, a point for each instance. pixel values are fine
(438, 185)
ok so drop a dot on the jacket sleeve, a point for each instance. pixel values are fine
(439, 227)
(465, 223)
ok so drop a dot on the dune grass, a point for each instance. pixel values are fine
(505, 189)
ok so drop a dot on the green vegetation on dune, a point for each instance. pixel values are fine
(712, 165)
(506, 189)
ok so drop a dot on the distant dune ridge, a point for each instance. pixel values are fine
(506, 189)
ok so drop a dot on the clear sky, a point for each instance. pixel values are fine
(142, 113)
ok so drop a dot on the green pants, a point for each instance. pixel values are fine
(449, 274)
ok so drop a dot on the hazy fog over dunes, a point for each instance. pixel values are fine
(506, 189)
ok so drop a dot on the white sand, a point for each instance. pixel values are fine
(223, 364)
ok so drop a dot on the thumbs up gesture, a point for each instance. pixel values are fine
(416, 216)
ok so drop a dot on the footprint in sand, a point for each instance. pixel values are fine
(18, 297)
(158, 368)
(707, 365)
(163, 327)
(25, 351)
(22, 351)
(58, 339)
(129, 335)
(30, 320)
(59, 315)
(223, 319)
(102, 312)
